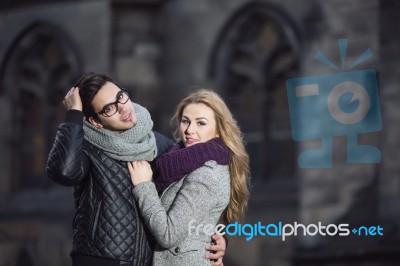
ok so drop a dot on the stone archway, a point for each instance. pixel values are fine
(254, 54)
(40, 65)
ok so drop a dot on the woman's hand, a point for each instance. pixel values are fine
(140, 171)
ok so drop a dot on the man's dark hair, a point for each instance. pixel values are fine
(89, 85)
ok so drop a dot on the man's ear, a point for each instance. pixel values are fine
(95, 122)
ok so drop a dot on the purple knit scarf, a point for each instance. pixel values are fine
(180, 161)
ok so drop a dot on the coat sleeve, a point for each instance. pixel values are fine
(67, 164)
(194, 200)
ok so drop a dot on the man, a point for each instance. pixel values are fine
(91, 154)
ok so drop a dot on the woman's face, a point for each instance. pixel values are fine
(197, 124)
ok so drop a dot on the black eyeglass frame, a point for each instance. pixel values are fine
(103, 111)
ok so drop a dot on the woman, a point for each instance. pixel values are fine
(206, 174)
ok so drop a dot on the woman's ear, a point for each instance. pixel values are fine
(95, 122)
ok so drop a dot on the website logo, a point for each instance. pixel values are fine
(339, 104)
(282, 230)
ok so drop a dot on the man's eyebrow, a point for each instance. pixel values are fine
(116, 99)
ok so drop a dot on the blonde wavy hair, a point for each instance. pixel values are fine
(231, 135)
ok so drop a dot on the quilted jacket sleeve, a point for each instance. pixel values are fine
(163, 143)
(67, 164)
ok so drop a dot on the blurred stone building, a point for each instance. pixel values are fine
(245, 50)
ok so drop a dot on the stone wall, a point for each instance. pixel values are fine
(389, 186)
(328, 195)
(137, 52)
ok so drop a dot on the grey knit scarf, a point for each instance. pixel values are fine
(137, 143)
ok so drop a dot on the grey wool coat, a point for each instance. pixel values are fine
(195, 201)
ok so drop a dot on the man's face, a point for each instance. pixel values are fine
(125, 118)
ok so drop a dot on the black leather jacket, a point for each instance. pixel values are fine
(107, 224)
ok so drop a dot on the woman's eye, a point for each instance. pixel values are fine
(185, 122)
(201, 123)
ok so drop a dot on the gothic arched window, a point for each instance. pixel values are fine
(41, 64)
(255, 53)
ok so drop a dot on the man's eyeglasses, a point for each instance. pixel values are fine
(111, 108)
